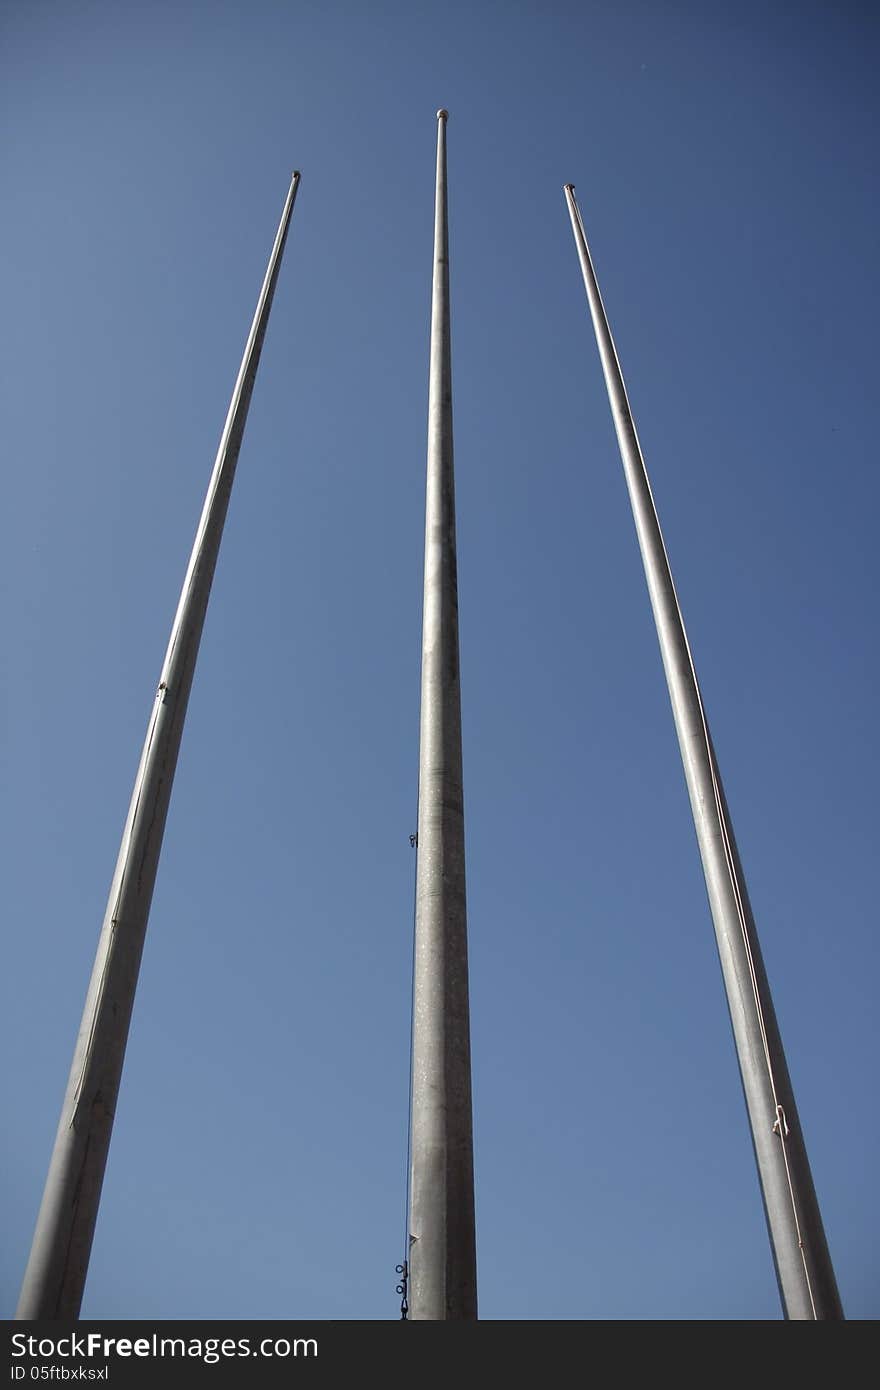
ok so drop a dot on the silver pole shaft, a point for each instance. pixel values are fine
(803, 1265)
(56, 1271)
(442, 1247)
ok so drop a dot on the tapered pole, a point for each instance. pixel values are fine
(442, 1248)
(803, 1265)
(59, 1258)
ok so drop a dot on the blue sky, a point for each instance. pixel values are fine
(723, 157)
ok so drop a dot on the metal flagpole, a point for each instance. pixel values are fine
(442, 1247)
(59, 1258)
(803, 1265)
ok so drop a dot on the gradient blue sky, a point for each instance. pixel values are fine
(724, 161)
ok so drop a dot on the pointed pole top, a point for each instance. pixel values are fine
(442, 114)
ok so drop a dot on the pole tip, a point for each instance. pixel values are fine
(442, 114)
(568, 188)
(295, 174)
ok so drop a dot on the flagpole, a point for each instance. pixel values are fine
(56, 1270)
(807, 1285)
(442, 1248)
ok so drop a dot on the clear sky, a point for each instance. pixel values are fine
(724, 158)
